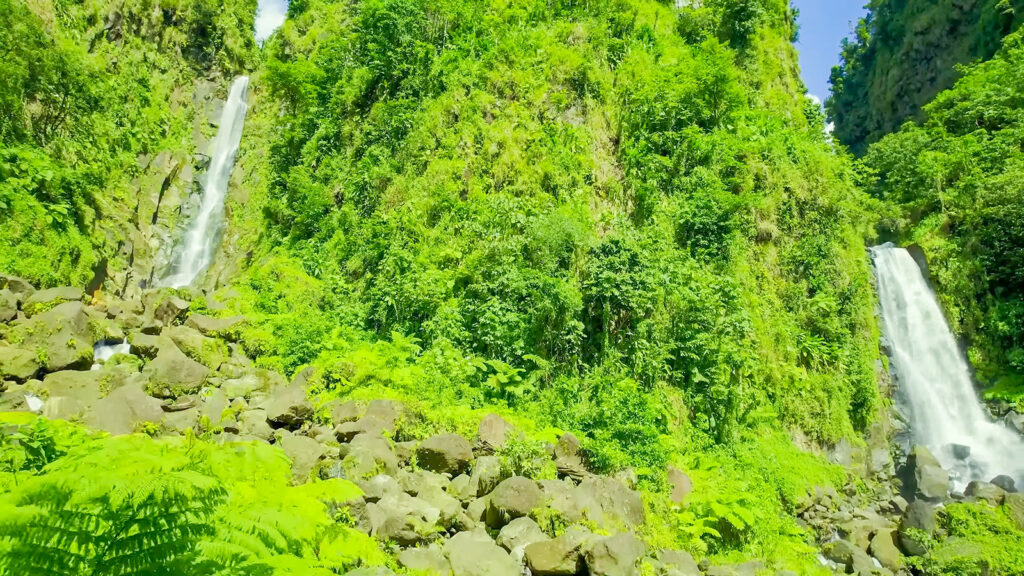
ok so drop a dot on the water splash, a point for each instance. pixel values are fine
(104, 350)
(934, 382)
(197, 249)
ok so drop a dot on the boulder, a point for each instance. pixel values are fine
(617, 555)
(883, 548)
(445, 453)
(917, 523)
(1014, 504)
(62, 337)
(557, 557)
(369, 456)
(303, 452)
(288, 407)
(18, 286)
(173, 374)
(8, 305)
(403, 519)
(163, 306)
(253, 423)
(124, 410)
(487, 474)
(475, 554)
(520, 533)
(681, 484)
(679, 563)
(381, 417)
(412, 481)
(491, 434)
(43, 300)
(513, 498)
(71, 393)
(855, 560)
(569, 457)
(617, 502)
(1005, 482)
(449, 506)
(207, 351)
(344, 412)
(461, 487)
(18, 364)
(379, 487)
(144, 345)
(429, 560)
(223, 328)
(566, 499)
(986, 492)
(930, 480)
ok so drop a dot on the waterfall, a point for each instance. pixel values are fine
(935, 388)
(105, 349)
(200, 242)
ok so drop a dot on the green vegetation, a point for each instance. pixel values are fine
(89, 92)
(975, 539)
(903, 54)
(953, 186)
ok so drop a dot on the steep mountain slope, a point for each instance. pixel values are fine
(904, 53)
(104, 112)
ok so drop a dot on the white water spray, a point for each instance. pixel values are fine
(935, 385)
(200, 242)
(104, 350)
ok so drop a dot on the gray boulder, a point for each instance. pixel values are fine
(445, 453)
(253, 423)
(679, 563)
(520, 533)
(617, 555)
(18, 286)
(304, 453)
(381, 417)
(224, 328)
(852, 558)
(617, 502)
(1005, 482)
(413, 481)
(369, 456)
(62, 338)
(930, 480)
(71, 393)
(491, 434)
(487, 474)
(43, 300)
(985, 492)
(379, 487)
(8, 305)
(883, 548)
(18, 364)
(569, 457)
(403, 519)
(1014, 505)
(512, 498)
(557, 557)
(144, 345)
(163, 306)
(288, 407)
(124, 410)
(173, 374)
(429, 560)
(343, 412)
(745, 569)
(917, 524)
(475, 554)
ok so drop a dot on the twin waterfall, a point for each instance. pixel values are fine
(934, 383)
(199, 245)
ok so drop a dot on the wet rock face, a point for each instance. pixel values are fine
(931, 482)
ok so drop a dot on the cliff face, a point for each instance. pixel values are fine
(104, 118)
(906, 52)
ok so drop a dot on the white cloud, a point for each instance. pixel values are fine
(269, 17)
(814, 99)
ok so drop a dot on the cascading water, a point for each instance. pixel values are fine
(197, 249)
(934, 383)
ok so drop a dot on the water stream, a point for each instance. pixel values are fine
(935, 388)
(196, 250)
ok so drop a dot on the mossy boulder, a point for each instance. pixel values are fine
(18, 364)
(173, 374)
(62, 338)
(42, 300)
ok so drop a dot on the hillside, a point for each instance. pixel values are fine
(503, 285)
(906, 52)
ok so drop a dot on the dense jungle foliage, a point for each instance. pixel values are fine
(954, 186)
(87, 91)
(903, 54)
(619, 218)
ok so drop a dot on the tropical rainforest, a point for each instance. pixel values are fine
(575, 287)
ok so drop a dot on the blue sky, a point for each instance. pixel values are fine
(823, 25)
(269, 16)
